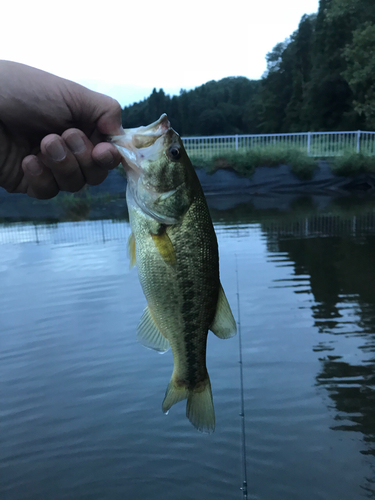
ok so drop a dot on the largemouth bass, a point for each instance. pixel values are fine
(174, 245)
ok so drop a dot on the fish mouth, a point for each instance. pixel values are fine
(137, 144)
(144, 137)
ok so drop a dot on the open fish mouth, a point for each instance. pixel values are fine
(143, 137)
(136, 144)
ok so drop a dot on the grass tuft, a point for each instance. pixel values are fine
(351, 164)
(76, 206)
(245, 162)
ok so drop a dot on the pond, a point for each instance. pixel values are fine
(81, 399)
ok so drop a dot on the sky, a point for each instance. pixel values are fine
(125, 49)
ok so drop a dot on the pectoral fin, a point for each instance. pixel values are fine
(131, 250)
(165, 247)
(224, 325)
(149, 334)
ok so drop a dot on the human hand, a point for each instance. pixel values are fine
(52, 133)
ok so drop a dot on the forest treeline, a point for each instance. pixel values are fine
(321, 78)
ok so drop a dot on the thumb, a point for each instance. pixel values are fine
(109, 122)
(103, 112)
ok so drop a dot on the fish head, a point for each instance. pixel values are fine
(158, 169)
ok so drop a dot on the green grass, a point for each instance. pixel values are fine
(245, 162)
(351, 164)
(76, 206)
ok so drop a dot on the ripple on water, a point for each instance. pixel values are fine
(81, 399)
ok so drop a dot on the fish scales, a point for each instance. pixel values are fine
(177, 258)
(192, 281)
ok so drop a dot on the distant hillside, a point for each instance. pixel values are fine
(217, 107)
(321, 78)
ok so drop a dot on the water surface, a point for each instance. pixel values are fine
(81, 399)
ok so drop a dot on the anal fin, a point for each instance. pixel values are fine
(224, 325)
(149, 334)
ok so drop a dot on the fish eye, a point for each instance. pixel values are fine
(174, 153)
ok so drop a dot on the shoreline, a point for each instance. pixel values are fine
(276, 188)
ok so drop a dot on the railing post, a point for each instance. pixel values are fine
(103, 235)
(36, 234)
(236, 142)
(308, 143)
(358, 140)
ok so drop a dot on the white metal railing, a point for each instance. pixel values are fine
(313, 143)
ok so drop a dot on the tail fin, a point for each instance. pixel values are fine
(199, 408)
(173, 395)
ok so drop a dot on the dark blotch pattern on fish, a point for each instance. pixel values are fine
(196, 318)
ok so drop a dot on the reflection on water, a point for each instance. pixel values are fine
(342, 272)
(80, 411)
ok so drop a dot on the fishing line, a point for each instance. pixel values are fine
(242, 406)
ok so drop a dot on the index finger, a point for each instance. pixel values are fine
(106, 155)
(64, 166)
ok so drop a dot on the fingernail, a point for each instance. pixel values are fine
(106, 158)
(75, 143)
(34, 168)
(56, 150)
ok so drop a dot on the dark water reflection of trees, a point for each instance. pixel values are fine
(342, 271)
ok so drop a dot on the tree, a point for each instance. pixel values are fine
(217, 107)
(276, 88)
(360, 71)
(211, 122)
(321, 78)
(296, 117)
